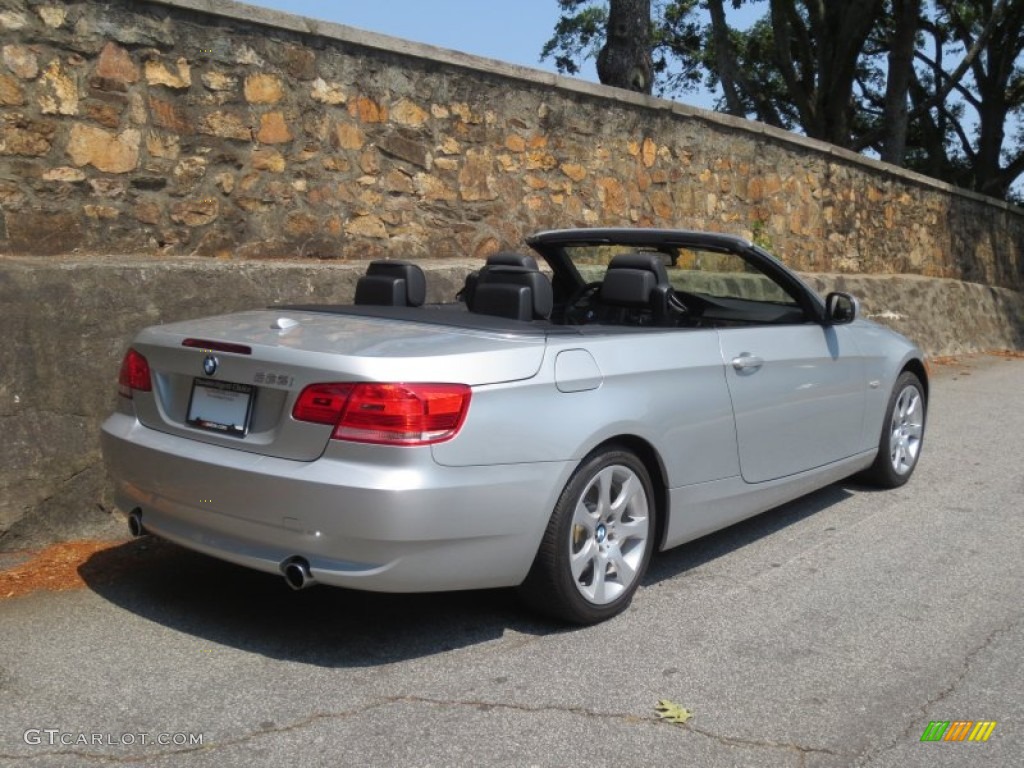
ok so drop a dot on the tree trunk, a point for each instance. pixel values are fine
(906, 21)
(625, 59)
(736, 85)
(818, 58)
(845, 26)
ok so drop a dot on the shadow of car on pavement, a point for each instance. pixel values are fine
(332, 627)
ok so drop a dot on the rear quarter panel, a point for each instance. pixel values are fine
(666, 387)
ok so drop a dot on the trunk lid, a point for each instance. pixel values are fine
(256, 391)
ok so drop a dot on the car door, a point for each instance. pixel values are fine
(797, 395)
(797, 386)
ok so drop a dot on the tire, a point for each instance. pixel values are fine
(899, 446)
(598, 542)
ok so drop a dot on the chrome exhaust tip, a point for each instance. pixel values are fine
(296, 573)
(135, 527)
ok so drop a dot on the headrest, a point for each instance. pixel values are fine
(500, 259)
(392, 283)
(652, 262)
(517, 292)
(627, 287)
(512, 259)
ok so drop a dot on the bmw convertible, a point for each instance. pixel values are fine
(572, 411)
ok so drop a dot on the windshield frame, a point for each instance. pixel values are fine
(554, 247)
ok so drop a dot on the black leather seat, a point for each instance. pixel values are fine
(518, 293)
(500, 259)
(637, 282)
(393, 284)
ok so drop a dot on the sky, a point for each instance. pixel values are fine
(513, 31)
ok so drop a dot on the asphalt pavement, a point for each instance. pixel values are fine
(828, 632)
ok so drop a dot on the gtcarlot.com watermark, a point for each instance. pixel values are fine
(55, 737)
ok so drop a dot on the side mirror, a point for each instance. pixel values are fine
(841, 308)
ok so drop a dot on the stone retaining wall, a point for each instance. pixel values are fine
(212, 128)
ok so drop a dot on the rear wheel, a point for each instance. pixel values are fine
(598, 542)
(899, 445)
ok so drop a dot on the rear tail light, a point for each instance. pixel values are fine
(134, 375)
(387, 414)
(322, 403)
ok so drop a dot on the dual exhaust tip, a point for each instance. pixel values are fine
(294, 569)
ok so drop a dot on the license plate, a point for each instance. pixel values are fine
(220, 406)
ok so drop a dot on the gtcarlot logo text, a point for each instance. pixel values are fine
(54, 737)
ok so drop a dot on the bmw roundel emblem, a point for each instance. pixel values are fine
(210, 364)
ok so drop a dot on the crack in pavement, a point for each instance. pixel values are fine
(950, 688)
(630, 719)
(802, 751)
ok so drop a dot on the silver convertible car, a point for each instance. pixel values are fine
(549, 429)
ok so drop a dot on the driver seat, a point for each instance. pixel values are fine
(635, 282)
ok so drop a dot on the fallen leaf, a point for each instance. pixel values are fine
(669, 710)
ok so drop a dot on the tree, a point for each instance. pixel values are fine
(992, 37)
(670, 62)
(796, 68)
(818, 47)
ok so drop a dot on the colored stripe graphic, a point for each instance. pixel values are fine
(935, 731)
(958, 730)
(982, 730)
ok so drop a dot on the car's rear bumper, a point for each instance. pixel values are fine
(407, 526)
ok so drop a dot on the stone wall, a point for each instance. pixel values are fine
(216, 129)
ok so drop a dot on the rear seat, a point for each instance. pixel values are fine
(392, 284)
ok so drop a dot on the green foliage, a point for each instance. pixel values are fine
(579, 34)
(678, 47)
(759, 235)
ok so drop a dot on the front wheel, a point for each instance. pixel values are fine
(899, 445)
(598, 542)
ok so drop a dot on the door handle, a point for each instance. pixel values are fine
(747, 362)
